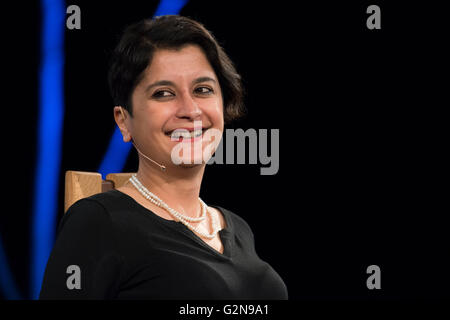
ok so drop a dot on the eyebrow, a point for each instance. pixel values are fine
(170, 83)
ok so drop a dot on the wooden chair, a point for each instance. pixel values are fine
(80, 184)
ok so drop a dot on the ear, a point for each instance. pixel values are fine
(121, 116)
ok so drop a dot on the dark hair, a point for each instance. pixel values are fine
(138, 43)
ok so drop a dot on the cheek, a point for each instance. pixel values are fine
(157, 116)
(217, 113)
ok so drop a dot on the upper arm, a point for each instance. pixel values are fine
(85, 253)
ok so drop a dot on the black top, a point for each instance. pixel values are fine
(125, 251)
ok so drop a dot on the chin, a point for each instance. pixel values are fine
(190, 165)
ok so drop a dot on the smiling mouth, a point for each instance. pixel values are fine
(186, 134)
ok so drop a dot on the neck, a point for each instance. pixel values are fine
(177, 186)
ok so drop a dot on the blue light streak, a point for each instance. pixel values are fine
(50, 125)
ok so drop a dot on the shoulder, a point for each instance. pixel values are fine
(85, 211)
(106, 199)
(97, 204)
(108, 203)
(93, 210)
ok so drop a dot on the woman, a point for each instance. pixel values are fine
(154, 238)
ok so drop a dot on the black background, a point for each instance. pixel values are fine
(361, 119)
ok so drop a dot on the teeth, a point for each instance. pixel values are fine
(186, 134)
(197, 133)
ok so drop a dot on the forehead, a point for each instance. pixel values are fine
(187, 62)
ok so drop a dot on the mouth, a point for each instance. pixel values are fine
(186, 134)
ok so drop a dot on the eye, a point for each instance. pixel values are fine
(162, 94)
(204, 90)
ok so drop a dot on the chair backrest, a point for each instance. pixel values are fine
(81, 184)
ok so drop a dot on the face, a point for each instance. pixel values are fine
(177, 108)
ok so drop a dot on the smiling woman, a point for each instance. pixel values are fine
(154, 238)
(142, 40)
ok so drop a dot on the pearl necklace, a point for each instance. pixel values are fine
(183, 218)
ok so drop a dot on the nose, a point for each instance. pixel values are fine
(188, 108)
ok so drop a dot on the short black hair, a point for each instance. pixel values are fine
(138, 43)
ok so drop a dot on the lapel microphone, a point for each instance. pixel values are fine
(162, 167)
